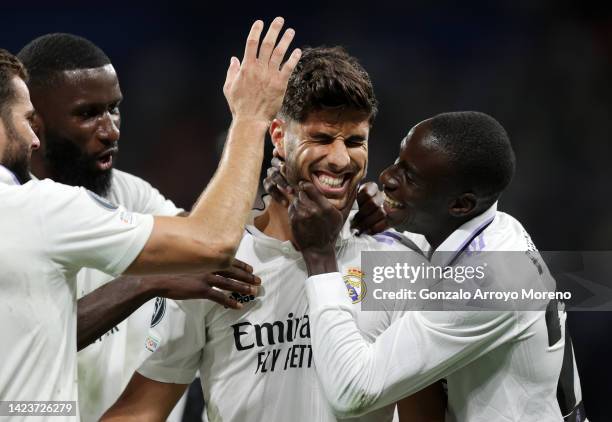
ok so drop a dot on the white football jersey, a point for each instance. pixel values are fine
(256, 363)
(499, 365)
(106, 366)
(49, 232)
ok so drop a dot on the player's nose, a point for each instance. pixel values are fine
(338, 157)
(35, 143)
(387, 178)
(108, 129)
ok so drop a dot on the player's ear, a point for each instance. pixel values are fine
(277, 134)
(462, 205)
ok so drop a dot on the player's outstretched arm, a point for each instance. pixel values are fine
(110, 304)
(207, 240)
(144, 400)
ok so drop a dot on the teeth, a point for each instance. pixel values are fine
(333, 182)
(392, 202)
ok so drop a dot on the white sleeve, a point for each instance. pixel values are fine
(174, 345)
(143, 198)
(416, 350)
(83, 230)
(157, 204)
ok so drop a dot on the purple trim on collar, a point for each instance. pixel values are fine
(391, 234)
(380, 238)
(471, 237)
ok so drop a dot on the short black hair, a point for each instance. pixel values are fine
(328, 78)
(10, 67)
(479, 149)
(46, 56)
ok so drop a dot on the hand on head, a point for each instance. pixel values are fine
(255, 88)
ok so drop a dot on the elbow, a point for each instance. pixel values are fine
(351, 405)
(342, 410)
(216, 246)
(221, 255)
(226, 257)
(228, 250)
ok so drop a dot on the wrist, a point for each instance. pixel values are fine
(147, 287)
(250, 122)
(320, 261)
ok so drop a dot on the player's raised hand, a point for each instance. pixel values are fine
(255, 88)
(371, 217)
(238, 278)
(315, 222)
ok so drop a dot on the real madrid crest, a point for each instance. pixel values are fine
(353, 280)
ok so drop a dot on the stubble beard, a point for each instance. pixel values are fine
(72, 167)
(17, 152)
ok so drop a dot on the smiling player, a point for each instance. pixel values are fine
(51, 231)
(77, 96)
(499, 364)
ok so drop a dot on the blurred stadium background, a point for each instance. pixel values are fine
(542, 68)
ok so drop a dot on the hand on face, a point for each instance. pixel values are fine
(371, 217)
(275, 183)
(315, 222)
(254, 89)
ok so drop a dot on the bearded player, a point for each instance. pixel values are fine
(76, 93)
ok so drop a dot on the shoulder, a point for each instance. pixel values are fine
(389, 240)
(48, 184)
(124, 181)
(37, 201)
(54, 193)
(138, 195)
(126, 177)
(505, 233)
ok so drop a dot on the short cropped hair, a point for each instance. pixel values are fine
(46, 56)
(10, 66)
(328, 78)
(479, 150)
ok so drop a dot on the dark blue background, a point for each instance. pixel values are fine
(541, 67)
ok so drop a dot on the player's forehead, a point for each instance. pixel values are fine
(418, 138)
(94, 85)
(22, 95)
(420, 152)
(341, 122)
